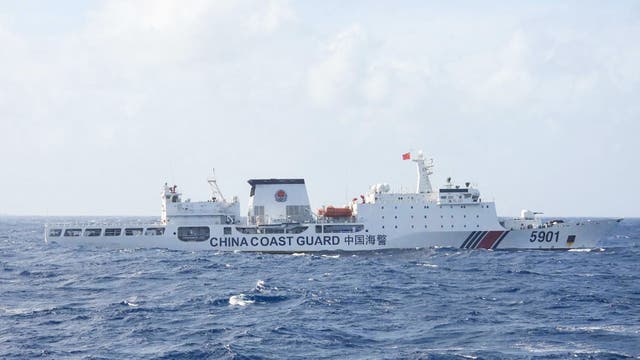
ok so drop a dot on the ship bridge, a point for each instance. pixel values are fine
(277, 201)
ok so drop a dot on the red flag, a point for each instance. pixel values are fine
(406, 156)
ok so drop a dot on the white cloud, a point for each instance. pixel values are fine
(292, 87)
(336, 78)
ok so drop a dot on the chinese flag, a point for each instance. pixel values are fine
(406, 156)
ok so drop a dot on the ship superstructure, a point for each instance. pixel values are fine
(280, 219)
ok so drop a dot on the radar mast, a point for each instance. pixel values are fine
(424, 170)
(216, 194)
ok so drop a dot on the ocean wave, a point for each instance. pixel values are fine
(57, 302)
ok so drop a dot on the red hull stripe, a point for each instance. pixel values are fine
(489, 239)
(495, 246)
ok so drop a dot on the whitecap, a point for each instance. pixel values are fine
(580, 250)
(298, 254)
(131, 302)
(16, 311)
(240, 300)
(433, 266)
(331, 256)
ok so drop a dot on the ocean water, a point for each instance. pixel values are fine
(59, 302)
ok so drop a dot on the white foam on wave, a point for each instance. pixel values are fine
(580, 250)
(618, 329)
(433, 266)
(298, 254)
(240, 300)
(330, 256)
(131, 301)
(17, 311)
(260, 285)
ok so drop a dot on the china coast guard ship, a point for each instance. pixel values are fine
(280, 219)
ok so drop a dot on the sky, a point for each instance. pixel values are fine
(535, 102)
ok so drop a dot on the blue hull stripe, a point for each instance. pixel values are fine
(477, 240)
(467, 240)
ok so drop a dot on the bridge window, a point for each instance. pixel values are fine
(73, 232)
(154, 231)
(55, 232)
(112, 232)
(193, 233)
(133, 231)
(92, 232)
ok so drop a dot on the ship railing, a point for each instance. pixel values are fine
(102, 224)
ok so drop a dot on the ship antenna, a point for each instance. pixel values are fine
(215, 190)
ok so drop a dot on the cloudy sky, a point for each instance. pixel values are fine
(101, 102)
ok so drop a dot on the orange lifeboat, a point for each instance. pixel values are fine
(334, 212)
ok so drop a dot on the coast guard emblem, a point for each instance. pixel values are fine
(281, 196)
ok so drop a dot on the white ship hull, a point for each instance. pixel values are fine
(553, 237)
(280, 219)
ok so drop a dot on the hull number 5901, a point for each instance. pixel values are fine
(542, 236)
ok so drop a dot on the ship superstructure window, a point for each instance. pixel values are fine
(55, 232)
(73, 232)
(247, 230)
(258, 214)
(227, 230)
(193, 233)
(296, 229)
(319, 228)
(112, 232)
(154, 231)
(298, 213)
(92, 232)
(271, 230)
(132, 231)
(343, 228)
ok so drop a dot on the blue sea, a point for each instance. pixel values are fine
(60, 302)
